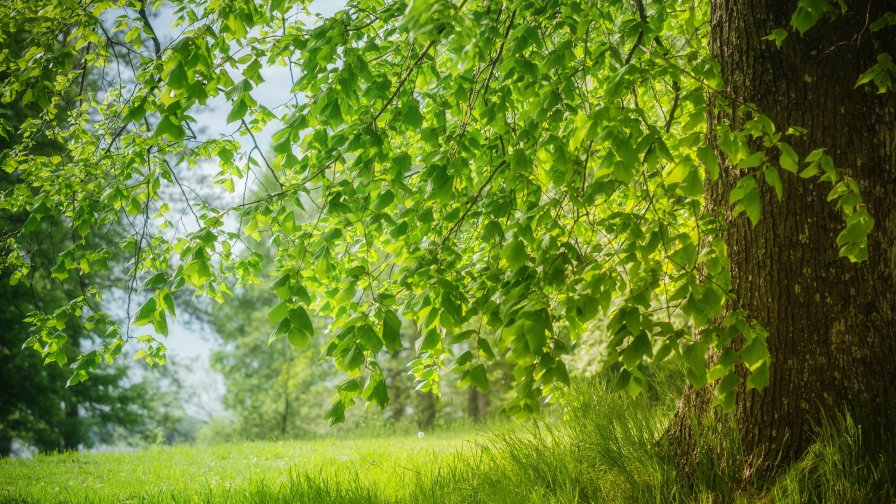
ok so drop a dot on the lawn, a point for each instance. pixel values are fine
(382, 468)
(597, 447)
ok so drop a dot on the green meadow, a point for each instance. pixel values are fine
(234, 472)
(595, 446)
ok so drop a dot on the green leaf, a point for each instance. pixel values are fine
(155, 280)
(168, 302)
(514, 253)
(685, 256)
(160, 323)
(76, 378)
(410, 114)
(383, 201)
(882, 73)
(349, 388)
(353, 360)
(778, 35)
(297, 338)
(815, 155)
(635, 352)
(754, 353)
(632, 320)
(177, 78)
(170, 128)
(281, 286)
(728, 383)
(752, 204)
(808, 13)
(692, 186)
(368, 338)
(376, 391)
(810, 171)
(336, 413)
(32, 223)
(752, 161)
(789, 160)
(279, 6)
(491, 231)
(618, 86)
(695, 358)
(464, 359)
(744, 185)
(239, 110)
(146, 313)
(284, 327)
(758, 378)
(587, 308)
(773, 178)
(561, 375)
(451, 314)
(301, 322)
(678, 172)
(429, 341)
(485, 348)
(888, 19)
(520, 161)
(746, 198)
(853, 240)
(710, 161)
(391, 332)
(478, 377)
(279, 312)
(60, 270)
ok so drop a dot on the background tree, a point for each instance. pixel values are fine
(37, 408)
(274, 389)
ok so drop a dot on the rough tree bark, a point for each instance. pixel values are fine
(831, 323)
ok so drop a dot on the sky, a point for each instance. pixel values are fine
(190, 343)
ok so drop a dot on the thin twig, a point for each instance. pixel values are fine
(472, 202)
(261, 153)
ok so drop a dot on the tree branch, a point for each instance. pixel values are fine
(472, 202)
(156, 45)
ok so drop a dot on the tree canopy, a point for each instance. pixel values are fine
(503, 175)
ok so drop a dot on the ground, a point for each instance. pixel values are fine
(232, 472)
(594, 446)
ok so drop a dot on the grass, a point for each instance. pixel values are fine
(597, 447)
(605, 450)
(236, 472)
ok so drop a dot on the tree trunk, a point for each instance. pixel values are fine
(831, 323)
(428, 410)
(72, 429)
(477, 404)
(284, 417)
(5, 443)
(400, 385)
